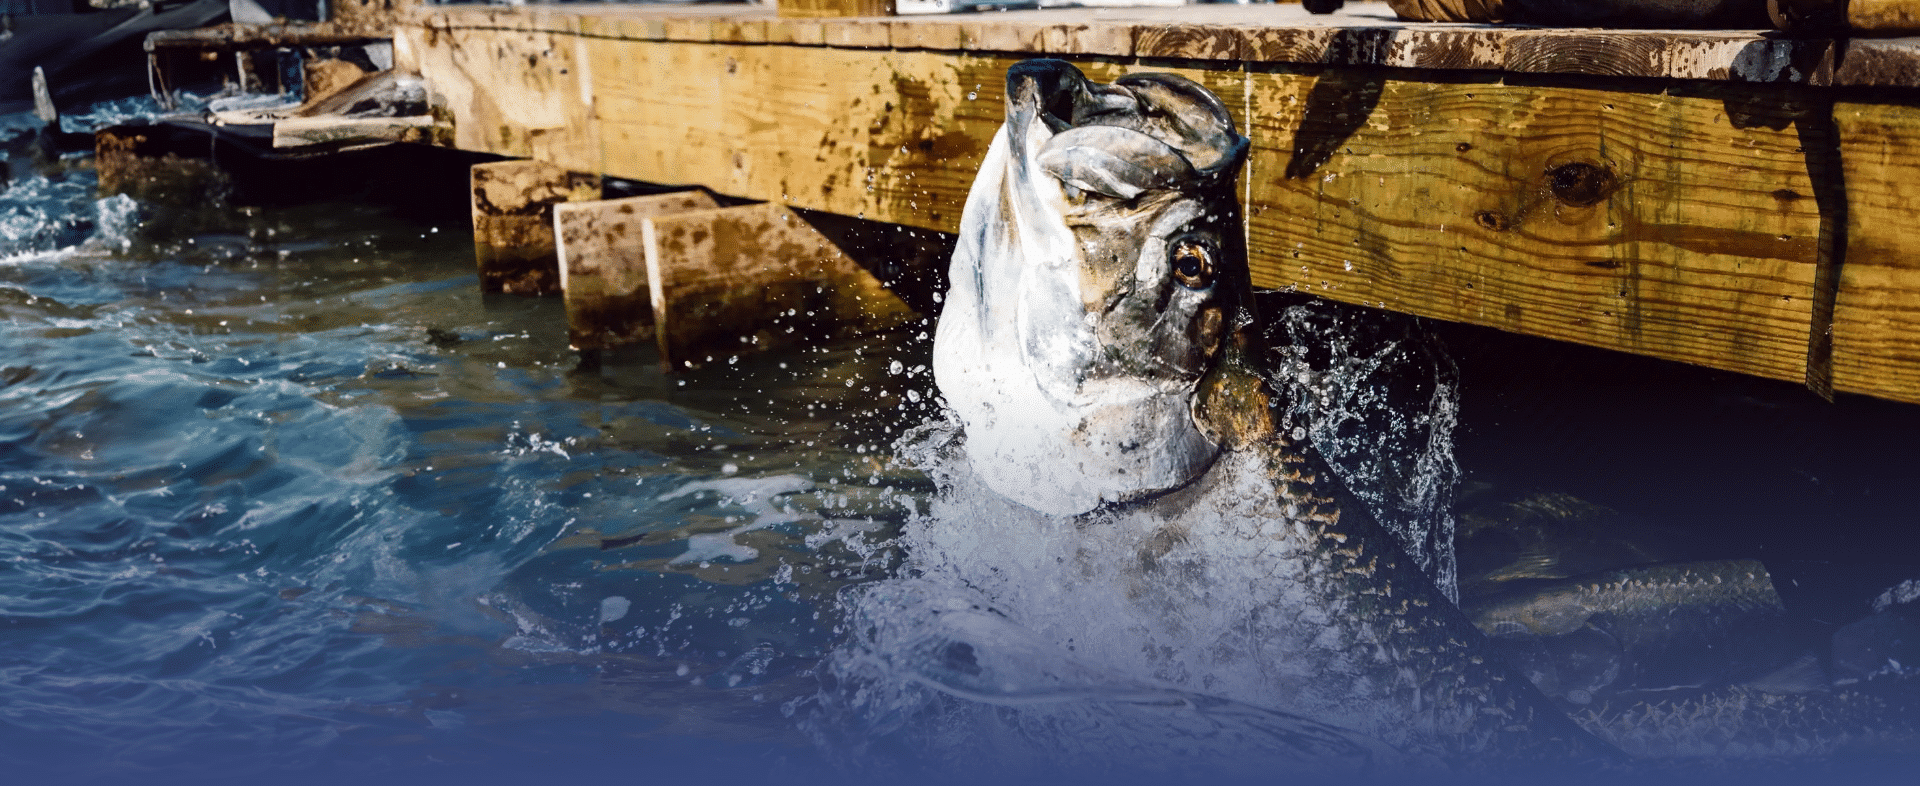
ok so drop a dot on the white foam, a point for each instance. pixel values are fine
(613, 608)
(1905, 592)
(757, 496)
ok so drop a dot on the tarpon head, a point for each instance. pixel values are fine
(1099, 269)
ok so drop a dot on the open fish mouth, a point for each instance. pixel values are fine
(1099, 267)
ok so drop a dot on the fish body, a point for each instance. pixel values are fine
(1118, 484)
(1648, 628)
(1127, 492)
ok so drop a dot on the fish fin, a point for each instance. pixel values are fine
(43, 100)
(1803, 675)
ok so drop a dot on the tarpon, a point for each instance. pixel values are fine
(1091, 288)
(1092, 348)
(1121, 485)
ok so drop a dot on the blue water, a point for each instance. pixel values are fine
(284, 498)
(256, 520)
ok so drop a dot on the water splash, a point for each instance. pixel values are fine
(1107, 642)
(1378, 398)
(1102, 643)
(938, 682)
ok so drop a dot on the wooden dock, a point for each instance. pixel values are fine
(1735, 199)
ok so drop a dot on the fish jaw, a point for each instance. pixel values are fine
(1068, 347)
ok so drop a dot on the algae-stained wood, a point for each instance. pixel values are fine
(754, 277)
(603, 265)
(1876, 325)
(513, 241)
(1676, 226)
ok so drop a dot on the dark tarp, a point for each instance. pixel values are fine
(92, 56)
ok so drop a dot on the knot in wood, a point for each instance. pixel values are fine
(1579, 184)
(1490, 220)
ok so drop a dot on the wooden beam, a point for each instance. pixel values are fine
(513, 240)
(1677, 226)
(1876, 325)
(520, 93)
(131, 160)
(750, 278)
(820, 9)
(240, 36)
(1883, 16)
(305, 131)
(603, 266)
(371, 17)
(1680, 218)
(1364, 34)
(884, 135)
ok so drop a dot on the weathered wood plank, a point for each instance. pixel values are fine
(513, 241)
(1365, 33)
(372, 17)
(234, 36)
(1884, 16)
(889, 136)
(924, 33)
(603, 265)
(1648, 222)
(1876, 328)
(740, 31)
(1190, 41)
(856, 33)
(1888, 62)
(695, 29)
(518, 93)
(1438, 188)
(750, 278)
(821, 9)
(304, 131)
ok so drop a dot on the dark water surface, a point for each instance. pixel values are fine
(285, 498)
(291, 495)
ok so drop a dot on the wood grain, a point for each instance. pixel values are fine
(856, 33)
(603, 266)
(818, 9)
(1365, 33)
(1876, 329)
(1465, 202)
(1437, 187)
(326, 129)
(526, 94)
(890, 136)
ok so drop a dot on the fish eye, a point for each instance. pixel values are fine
(1192, 264)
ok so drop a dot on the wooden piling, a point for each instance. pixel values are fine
(132, 161)
(603, 266)
(755, 277)
(513, 240)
